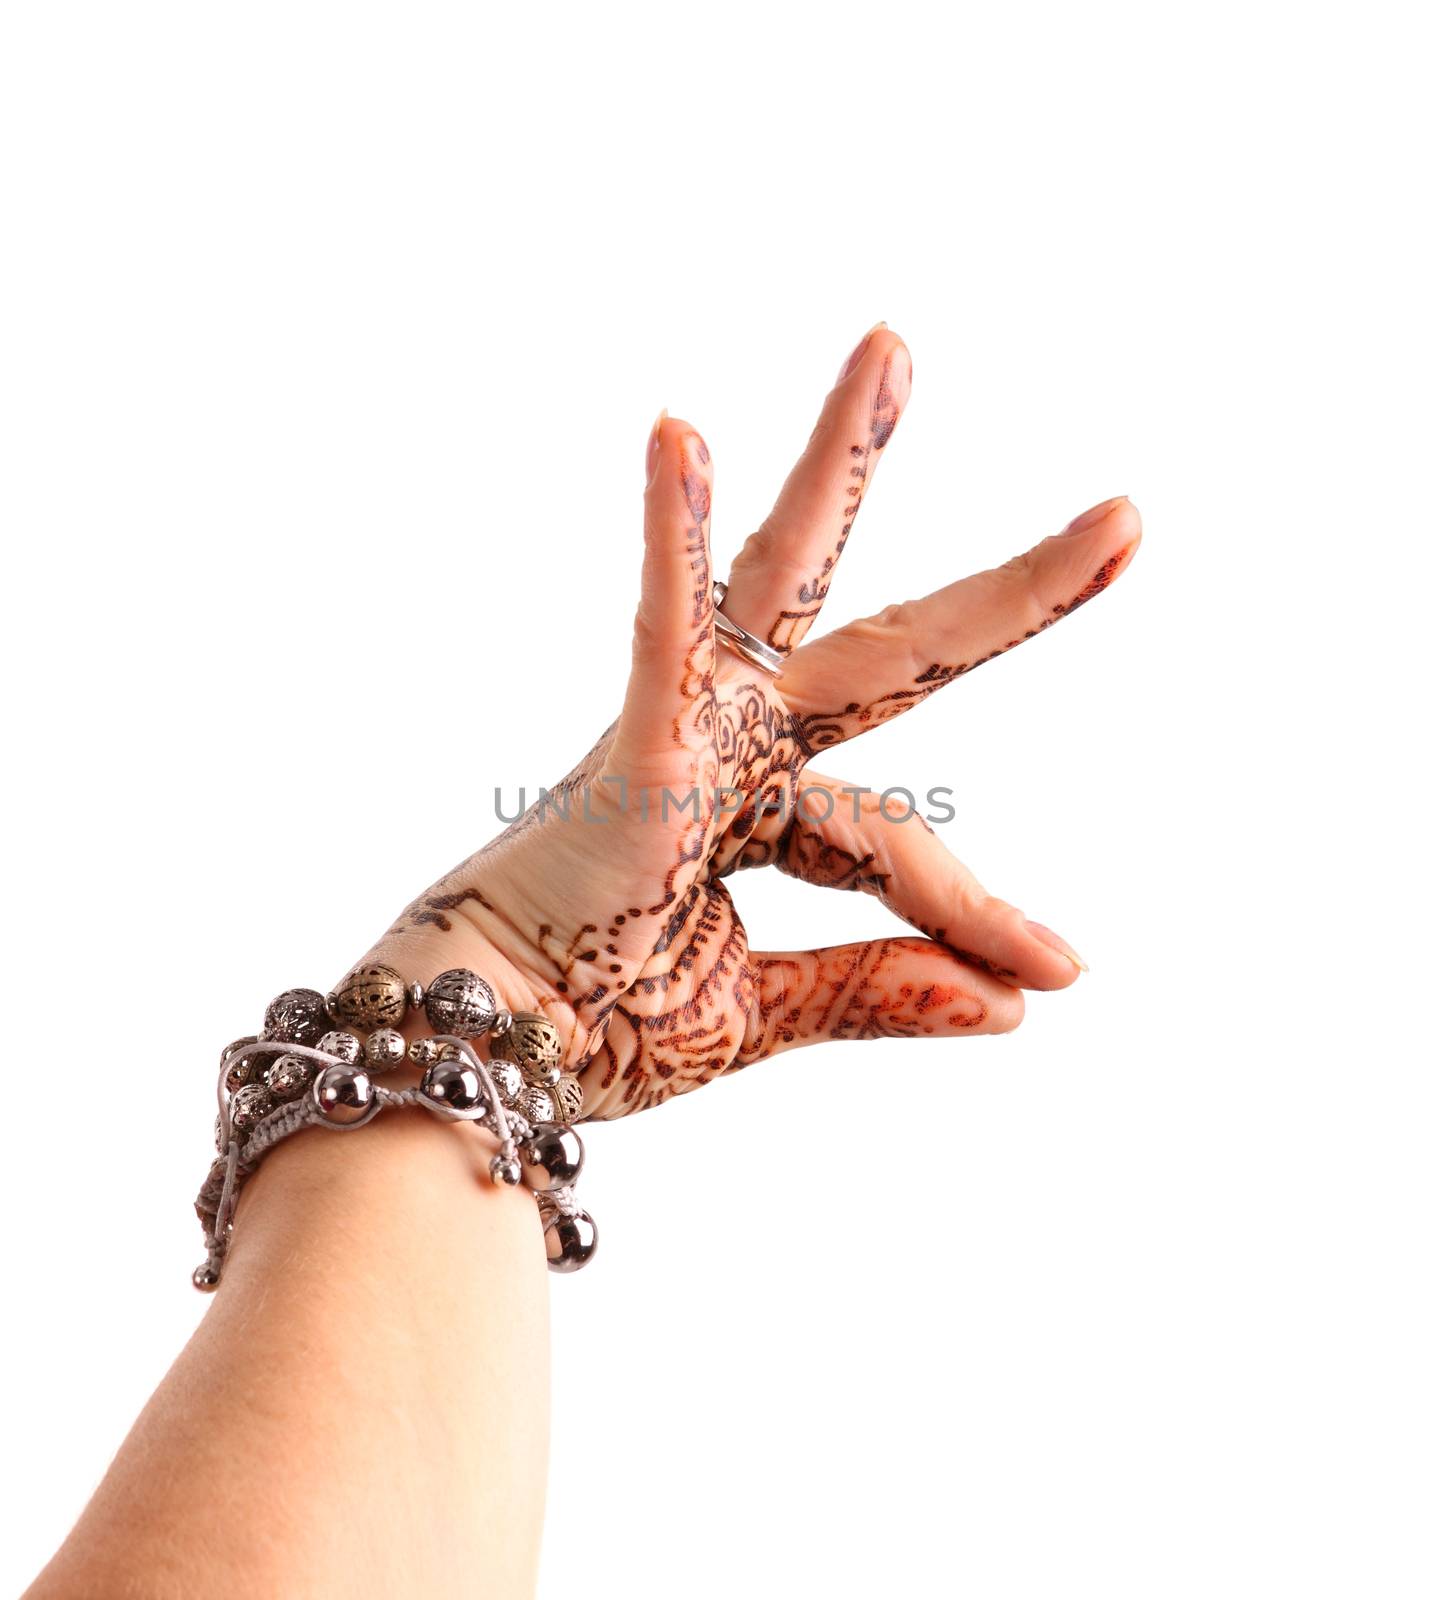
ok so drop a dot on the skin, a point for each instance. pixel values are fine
(617, 921)
(363, 1409)
(396, 1445)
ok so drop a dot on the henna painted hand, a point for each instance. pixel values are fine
(606, 907)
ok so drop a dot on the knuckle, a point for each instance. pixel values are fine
(898, 617)
(653, 638)
(1021, 567)
(975, 903)
(1022, 579)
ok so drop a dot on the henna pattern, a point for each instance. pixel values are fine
(659, 997)
(852, 993)
(786, 632)
(805, 853)
(823, 728)
(647, 1022)
(617, 922)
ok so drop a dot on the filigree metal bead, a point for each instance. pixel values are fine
(506, 1077)
(344, 1046)
(424, 1051)
(460, 1002)
(288, 1077)
(455, 1084)
(248, 1105)
(570, 1240)
(296, 1017)
(535, 1105)
(569, 1097)
(552, 1157)
(371, 997)
(505, 1169)
(384, 1049)
(533, 1043)
(343, 1094)
(240, 1069)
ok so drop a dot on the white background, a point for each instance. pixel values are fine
(331, 336)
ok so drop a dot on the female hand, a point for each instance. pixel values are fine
(604, 906)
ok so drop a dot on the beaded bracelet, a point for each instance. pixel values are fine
(299, 1072)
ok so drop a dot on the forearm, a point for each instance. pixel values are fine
(364, 1409)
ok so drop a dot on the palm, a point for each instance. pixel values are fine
(604, 906)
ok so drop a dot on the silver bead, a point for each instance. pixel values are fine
(370, 997)
(384, 1049)
(455, 1084)
(570, 1241)
(288, 1077)
(242, 1069)
(505, 1169)
(415, 994)
(535, 1105)
(506, 1077)
(552, 1157)
(504, 1020)
(205, 1278)
(344, 1046)
(460, 1002)
(296, 1017)
(344, 1094)
(449, 1052)
(248, 1105)
(424, 1051)
(569, 1097)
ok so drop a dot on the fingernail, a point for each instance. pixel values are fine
(1089, 519)
(1038, 930)
(853, 360)
(652, 450)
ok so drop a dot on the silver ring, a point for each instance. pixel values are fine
(744, 644)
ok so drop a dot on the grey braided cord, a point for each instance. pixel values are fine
(215, 1204)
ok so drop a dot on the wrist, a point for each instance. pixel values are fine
(320, 1194)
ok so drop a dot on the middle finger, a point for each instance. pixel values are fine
(783, 572)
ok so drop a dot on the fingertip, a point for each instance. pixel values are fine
(1123, 525)
(675, 443)
(1015, 952)
(1112, 522)
(892, 370)
(854, 359)
(1111, 543)
(881, 365)
(898, 371)
(1089, 554)
(1057, 964)
(1005, 1009)
(1048, 974)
